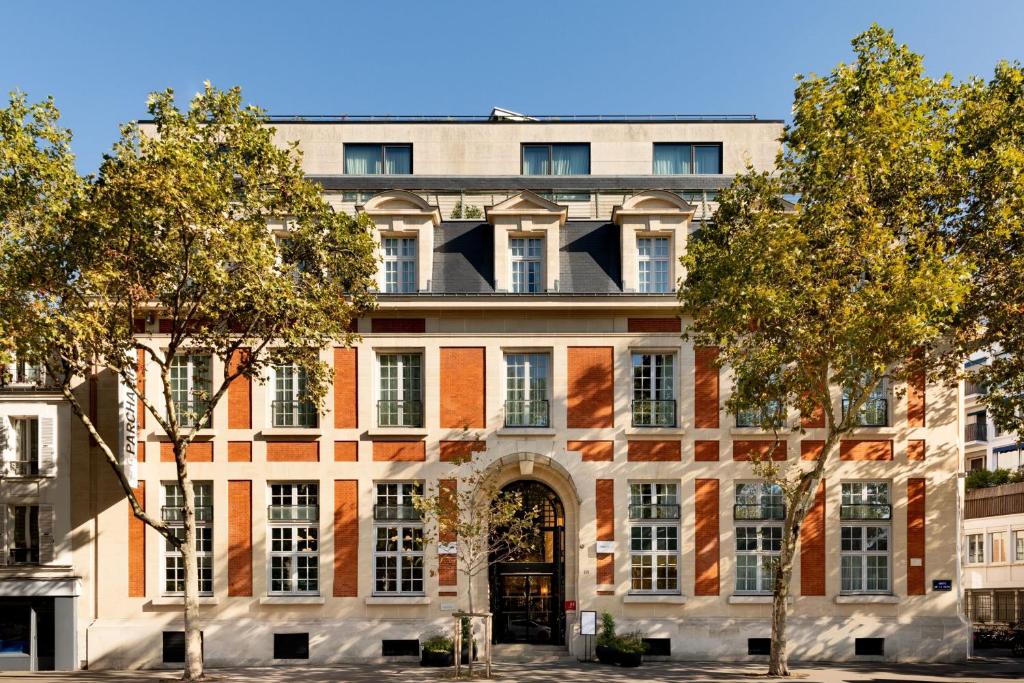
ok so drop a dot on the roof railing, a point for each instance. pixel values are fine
(532, 118)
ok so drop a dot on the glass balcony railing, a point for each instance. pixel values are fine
(189, 413)
(654, 412)
(172, 513)
(532, 413)
(654, 511)
(758, 511)
(294, 413)
(293, 513)
(865, 511)
(406, 413)
(396, 512)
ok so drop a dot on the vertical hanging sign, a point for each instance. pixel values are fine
(128, 425)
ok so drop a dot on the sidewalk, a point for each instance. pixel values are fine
(977, 671)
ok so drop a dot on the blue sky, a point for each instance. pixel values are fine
(99, 59)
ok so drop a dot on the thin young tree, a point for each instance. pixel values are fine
(480, 523)
(814, 307)
(200, 220)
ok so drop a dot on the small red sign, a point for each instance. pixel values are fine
(570, 605)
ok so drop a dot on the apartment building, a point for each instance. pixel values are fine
(986, 447)
(528, 320)
(39, 589)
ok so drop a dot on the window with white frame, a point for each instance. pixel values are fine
(527, 378)
(398, 539)
(399, 264)
(291, 407)
(172, 513)
(758, 513)
(26, 446)
(875, 410)
(23, 537)
(654, 398)
(1018, 542)
(400, 400)
(191, 387)
(976, 548)
(654, 537)
(652, 267)
(997, 543)
(865, 530)
(527, 264)
(293, 518)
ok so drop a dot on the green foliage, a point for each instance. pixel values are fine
(468, 211)
(990, 132)
(631, 643)
(981, 479)
(438, 643)
(606, 636)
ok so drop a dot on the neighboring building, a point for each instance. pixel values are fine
(985, 445)
(38, 587)
(542, 339)
(994, 554)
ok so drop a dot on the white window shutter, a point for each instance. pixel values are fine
(47, 448)
(45, 534)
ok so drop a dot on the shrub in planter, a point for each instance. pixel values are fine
(605, 647)
(437, 650)
(629, 649)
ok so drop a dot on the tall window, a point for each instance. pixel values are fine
(1018, 542)
(401, 390)
(26, 436)
(557, 159)
(527, 259)
(174, 563)
(527, 376)
(291, 407)
(653, 264)
(399, 264)
(875, 411)
(976, 548)
(865, 534)
(398, 545)
(683, 159)
(377, 159)
(758, 514)
(654, 537)
(21, 373)
(191, 387)
(654, 403)
(24, 537)
(997, 543)
(293, 518)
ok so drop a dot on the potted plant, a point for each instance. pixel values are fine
(438, 650)
(605, 649)
(629, 649)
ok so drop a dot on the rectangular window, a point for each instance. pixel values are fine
(378, 159)
(652, 265)
(172, 514)
(401, 390)
(976, 549)
(997, 542)
(758, 513)
(1018, 542)
(864, 560)
(654, 537)
(865, 500)
(527, 377)
(23, 539)
(654, 398)
(556, 159)
(399, 265)
(191, 387)
(26, 447)
(293, 518)
(291, 407)
(22, 374)
(672, 158)
(398, 539)
(526, 255)
(875, 411)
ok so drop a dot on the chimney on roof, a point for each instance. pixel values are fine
(499, 114)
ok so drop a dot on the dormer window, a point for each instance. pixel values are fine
(556, 159)
(399, 265)
(378, 159)
(527, 263)
(671, 158)
(653, 264)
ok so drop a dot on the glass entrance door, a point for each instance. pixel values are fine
(527, 613)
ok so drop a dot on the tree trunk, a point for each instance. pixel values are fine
(193, 634)
(469, 586)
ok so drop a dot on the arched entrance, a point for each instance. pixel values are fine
(528, 591)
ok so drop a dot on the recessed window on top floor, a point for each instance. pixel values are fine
(378, 159)
(674, 158)
(556, 159)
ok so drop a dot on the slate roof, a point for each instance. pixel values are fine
(464, 258)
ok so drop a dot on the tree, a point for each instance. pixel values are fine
(990, 133)
(206, 223)
(855, 285)
(482, 523)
